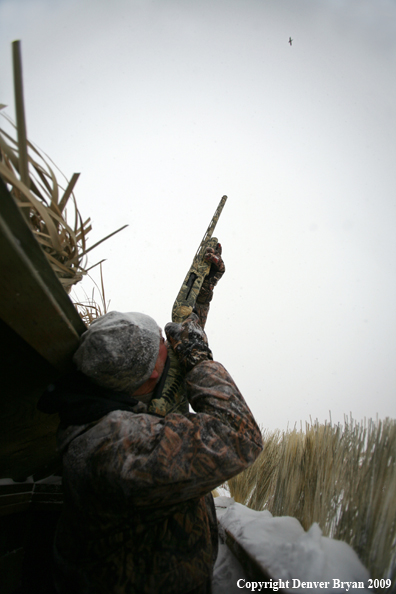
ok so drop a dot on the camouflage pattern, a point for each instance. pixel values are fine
(217, 269)
(202, 310)
(172, 397)
(200, 268)
(189, 342)
(137, 516)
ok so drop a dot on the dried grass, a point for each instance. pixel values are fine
(43, 201)
(88, 307)
(36, 190)
(342, 477)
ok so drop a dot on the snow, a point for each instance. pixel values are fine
(227, 572)
(53, 479)
(10, 481)
(286, 552)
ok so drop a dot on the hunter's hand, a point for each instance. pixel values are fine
(217, 269)
(189, 342)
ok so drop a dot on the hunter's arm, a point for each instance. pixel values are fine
(205, 296)
(155, 461)
(190, 455)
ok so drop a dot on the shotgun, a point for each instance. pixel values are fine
(171, 396)
(187, 296)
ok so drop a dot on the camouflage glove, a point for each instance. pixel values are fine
(216, 271)
(189, 342)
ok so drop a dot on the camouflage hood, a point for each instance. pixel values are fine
(119, 350)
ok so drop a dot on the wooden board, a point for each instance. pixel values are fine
(39, 331)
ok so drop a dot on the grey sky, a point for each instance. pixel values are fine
(164, 106)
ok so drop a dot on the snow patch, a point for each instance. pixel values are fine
(286, 552)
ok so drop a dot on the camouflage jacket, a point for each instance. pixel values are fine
(137, 518)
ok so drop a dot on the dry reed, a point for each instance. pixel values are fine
(43, 201)
(88, 308)
(342, 477)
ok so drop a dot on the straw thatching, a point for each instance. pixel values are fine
(43, 201)
(34, 186)
(342, 477)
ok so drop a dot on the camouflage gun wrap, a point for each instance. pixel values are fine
(187, 296)
(172, 397)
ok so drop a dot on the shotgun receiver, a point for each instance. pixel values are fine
(187, 296)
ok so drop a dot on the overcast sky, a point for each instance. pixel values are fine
(166, 105)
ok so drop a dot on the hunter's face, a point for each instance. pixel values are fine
(149, 385)
(162, 355)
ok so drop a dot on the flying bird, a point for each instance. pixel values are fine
(290, 40)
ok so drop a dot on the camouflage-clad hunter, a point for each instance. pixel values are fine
(138, 513)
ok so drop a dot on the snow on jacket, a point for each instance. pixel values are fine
(137, 516)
